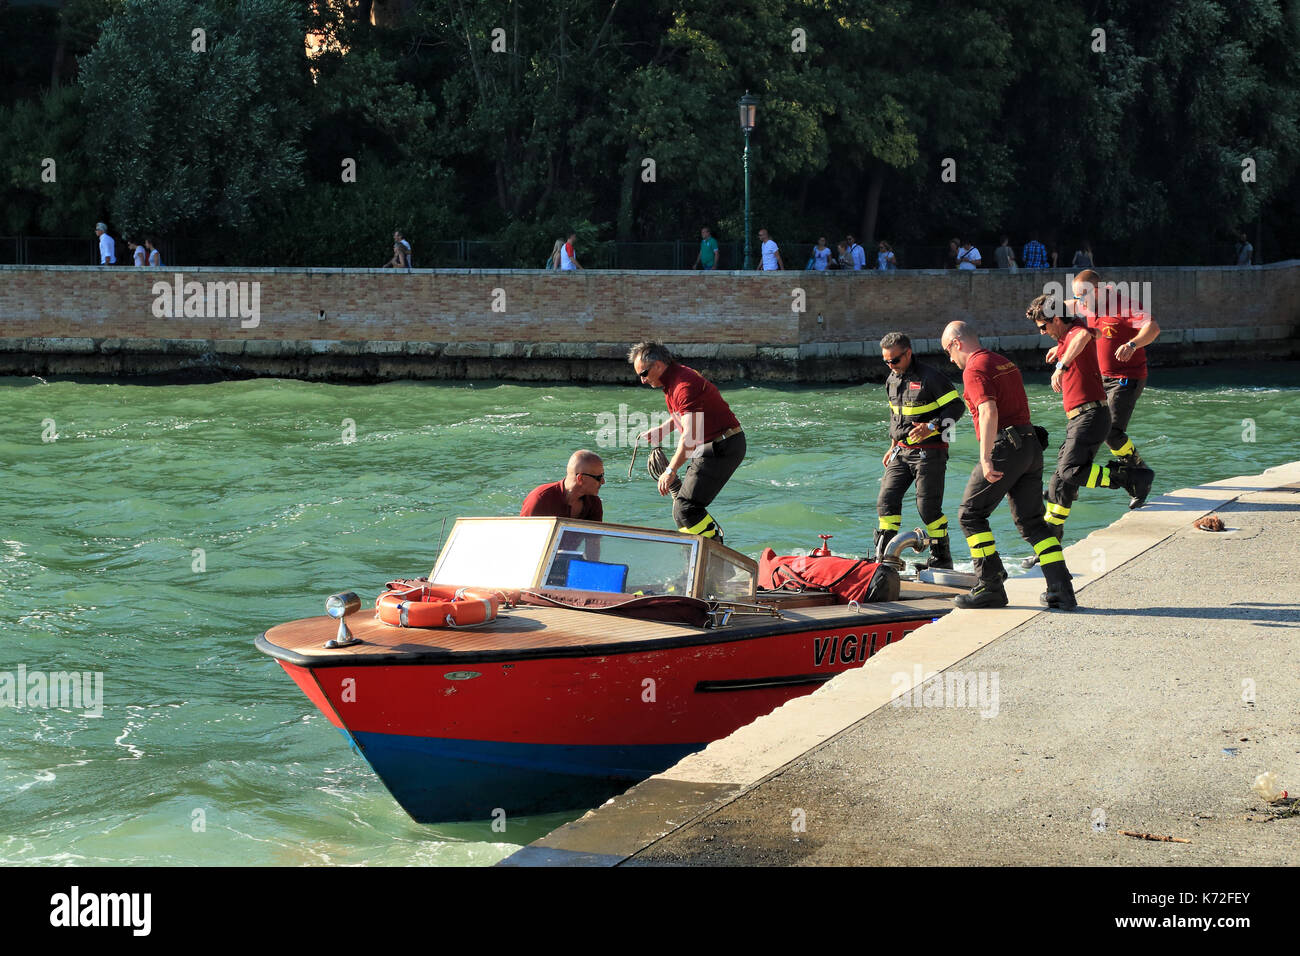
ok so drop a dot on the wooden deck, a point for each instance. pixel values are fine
(532, 631)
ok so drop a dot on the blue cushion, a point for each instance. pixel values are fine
(596, 576)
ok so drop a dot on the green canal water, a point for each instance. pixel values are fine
(205, 752)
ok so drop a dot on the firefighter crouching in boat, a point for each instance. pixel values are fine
(1010, 465)
(923, 405)
(1078, 379)
(711, 438)
(577, 495)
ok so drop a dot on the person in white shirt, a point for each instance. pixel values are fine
(400, 240)
(771, 252)
(155, 257)
(857, 253)
(107, 247)
(137, 252)
(969, 257)
(569, 255)
(821, 255)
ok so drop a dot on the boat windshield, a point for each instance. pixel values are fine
(537, 553)
(622, 562)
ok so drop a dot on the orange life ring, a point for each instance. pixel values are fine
(437, 607)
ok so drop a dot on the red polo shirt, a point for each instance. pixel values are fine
(549, 501)
(687, 392)
(1114, 331)
(989, 375)
(1081, 382)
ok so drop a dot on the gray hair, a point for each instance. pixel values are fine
(101, 227)
(895, 340)
(649, 352)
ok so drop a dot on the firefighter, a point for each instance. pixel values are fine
(711, 438)
(1078, 379)
(1010, 465)
(923, 406)
(1123, 332)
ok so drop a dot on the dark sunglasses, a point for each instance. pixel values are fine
(1042, 326)
(642, 375)
(600, 478)
(895, 361)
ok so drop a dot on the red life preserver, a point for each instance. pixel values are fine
(427, 606)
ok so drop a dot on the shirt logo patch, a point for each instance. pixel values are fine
(914, 385)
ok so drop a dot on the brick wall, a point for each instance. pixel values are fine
(430, 317)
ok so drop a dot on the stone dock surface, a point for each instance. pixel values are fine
(1151, 709)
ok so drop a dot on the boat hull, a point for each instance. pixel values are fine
(475, 738)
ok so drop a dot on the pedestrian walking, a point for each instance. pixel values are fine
(1244, 250)
(138, 254)
(707, 257)
(1005, 255)
(885, 260)
(820, 259)
(857, 255)
(107, 247)
(1034, 254)
(568, 255)
(155, 257)
(1083, 256)
(969, 257)
(770, 251)
(554, 261)
(1010, 465)
(923, 405)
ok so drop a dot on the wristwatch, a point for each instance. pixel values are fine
(1062, 367)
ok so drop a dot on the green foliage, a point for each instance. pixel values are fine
(515, 120)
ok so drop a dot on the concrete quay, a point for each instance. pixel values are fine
(1151, 709)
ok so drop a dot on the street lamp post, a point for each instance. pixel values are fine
(748, 114)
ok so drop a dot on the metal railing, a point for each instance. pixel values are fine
(667, 255)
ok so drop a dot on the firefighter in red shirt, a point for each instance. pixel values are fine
(1010, 465)
(1122, 334)
(1078, 379)
(577, 495)
(711, 438)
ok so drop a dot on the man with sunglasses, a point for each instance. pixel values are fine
(1010, 465)
(1122, 338)
(923, 405)
(711, 437)
(1078, 379)
(576, 496)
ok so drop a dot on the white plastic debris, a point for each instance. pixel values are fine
(1266, 785)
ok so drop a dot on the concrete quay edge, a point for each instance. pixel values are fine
(726, 769)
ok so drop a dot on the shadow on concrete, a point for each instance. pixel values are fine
(1280, 615)
(1211, 505)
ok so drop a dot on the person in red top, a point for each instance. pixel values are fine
(1010, 465)
(1122, 335)
(576, 496)
(1078, 379)
(711, 437)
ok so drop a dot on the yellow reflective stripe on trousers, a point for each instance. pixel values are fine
(981, 544)
(698, 528)
(938, 528)
(1045, 544)
(890, 522)
(1124, 450)
(1051, 558)
(979, 538)
(1099, 477)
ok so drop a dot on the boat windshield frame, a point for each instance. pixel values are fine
(542, 549)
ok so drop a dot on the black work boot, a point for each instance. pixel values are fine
(940, 554)
(1136, 480)
(882, 542)
(1060, 590)
(985, 594)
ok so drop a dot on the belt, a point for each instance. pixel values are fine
(1085, 407)
(730, 432)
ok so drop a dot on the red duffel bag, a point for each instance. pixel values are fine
(846, 578)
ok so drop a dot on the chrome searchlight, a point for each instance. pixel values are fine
(340, 606)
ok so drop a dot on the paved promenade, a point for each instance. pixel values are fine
(1151, 709)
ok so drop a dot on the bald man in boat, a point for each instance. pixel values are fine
(577, 496)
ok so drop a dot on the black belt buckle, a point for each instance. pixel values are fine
(1012, 435)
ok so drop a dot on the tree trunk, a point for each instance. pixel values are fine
(627, 196)
(871, 208)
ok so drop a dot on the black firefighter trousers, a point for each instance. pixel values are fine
(1019, 456)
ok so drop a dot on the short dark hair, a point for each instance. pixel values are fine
(650, 352)
(895, 339)
(1044, 308)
